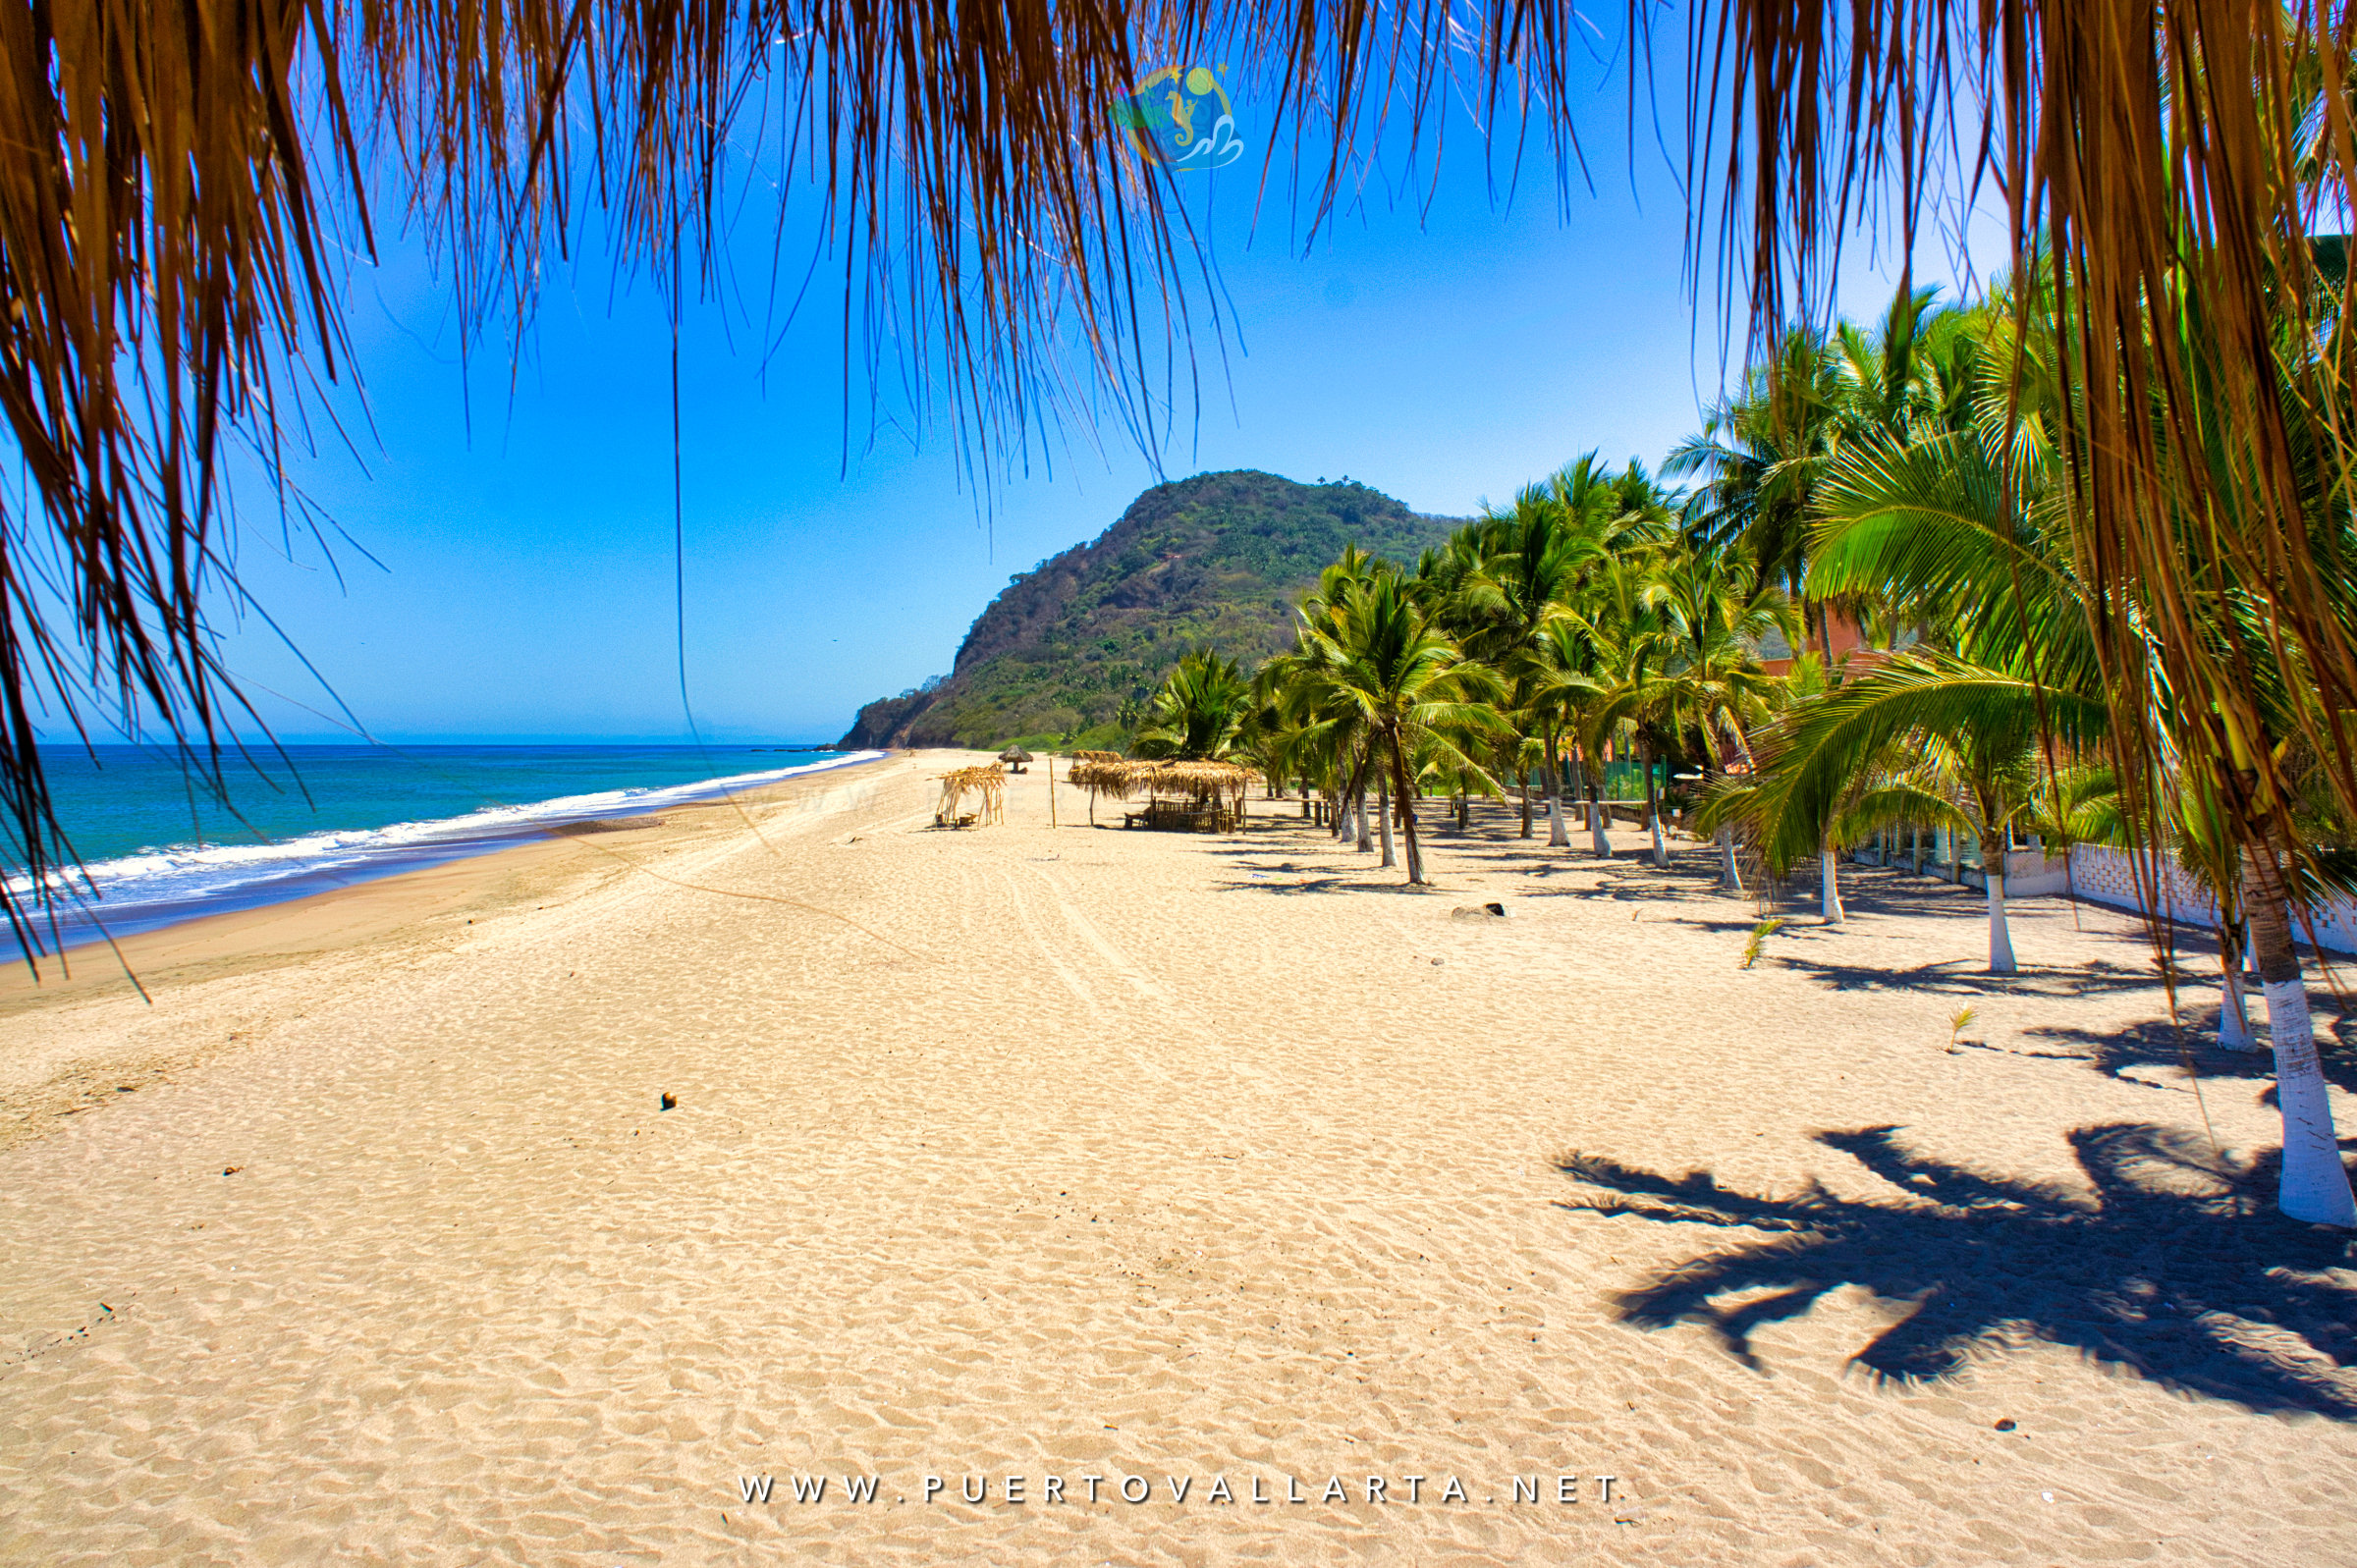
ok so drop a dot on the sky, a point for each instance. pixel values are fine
(501, 563)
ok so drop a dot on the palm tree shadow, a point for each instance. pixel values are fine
(2135, 1051)
(2175, 1270)
(1967, 977)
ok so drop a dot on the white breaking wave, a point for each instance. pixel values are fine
(135, 885)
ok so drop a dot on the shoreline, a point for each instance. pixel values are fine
(386, 919)
(422, 852)
(248, 877)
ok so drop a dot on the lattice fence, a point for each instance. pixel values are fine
(2108, 877)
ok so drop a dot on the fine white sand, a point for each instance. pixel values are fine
(1019, 1152)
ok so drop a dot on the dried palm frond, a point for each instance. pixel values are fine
(184, 182)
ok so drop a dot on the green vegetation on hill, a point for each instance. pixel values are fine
(1214, 560)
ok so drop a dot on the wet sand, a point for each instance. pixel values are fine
(1159, 1158)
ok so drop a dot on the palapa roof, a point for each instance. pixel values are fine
(1197, 780)
(1015, 754)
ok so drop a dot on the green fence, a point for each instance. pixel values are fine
(1626, 780)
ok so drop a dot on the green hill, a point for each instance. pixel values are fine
(1215, 560)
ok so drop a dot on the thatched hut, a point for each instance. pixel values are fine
(987, 785)
(1015, 757)
(1179, 796)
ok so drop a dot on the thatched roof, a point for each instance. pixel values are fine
(1015, 754)
(1195, 781)
(1095, 770)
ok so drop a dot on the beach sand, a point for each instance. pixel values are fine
(1019, 1152)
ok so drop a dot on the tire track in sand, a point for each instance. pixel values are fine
(1063, 971)
(1144, 984)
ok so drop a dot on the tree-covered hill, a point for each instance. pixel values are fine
(1216, 560)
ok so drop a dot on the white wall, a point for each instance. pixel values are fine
(2108, 877)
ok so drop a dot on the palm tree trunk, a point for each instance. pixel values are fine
(1353, 792)
(1829, 887)
(1653, 809)
(1383, 815)
(1557, 838)
(1525, 802)
(2233, 1019)
(1358, 815)
(1600, 837)
(1415, 850)
(1465, 811)
(1730, 876)
(2315, 1186)
(2000, 936)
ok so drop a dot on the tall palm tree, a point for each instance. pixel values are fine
(1376, 664)
(1622, 614)
(1716, 611)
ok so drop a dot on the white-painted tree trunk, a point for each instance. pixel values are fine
(1382, 813)
(1358, 811)
(2315, 1185)
(1829, 888)
(1558, 836)
(1600, 837)
(1730, 875)
(2000, 936)
(1660, 851)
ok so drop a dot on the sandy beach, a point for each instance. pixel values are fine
(1212, 1163)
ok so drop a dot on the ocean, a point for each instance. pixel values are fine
(159, 849)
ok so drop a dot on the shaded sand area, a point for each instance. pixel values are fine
(1155, 1159)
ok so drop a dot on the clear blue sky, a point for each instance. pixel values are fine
(522, 586)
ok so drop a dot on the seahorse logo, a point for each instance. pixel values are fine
(1166, 114)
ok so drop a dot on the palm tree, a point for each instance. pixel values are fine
(2084, 807)
(1973, 734)
(1622, 614)
(1560, 678)
(1376, 664)
(1200, 710)
(1982, 533)
(1715, 610)
(1515, 574)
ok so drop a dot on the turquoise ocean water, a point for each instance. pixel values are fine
(158, 848)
